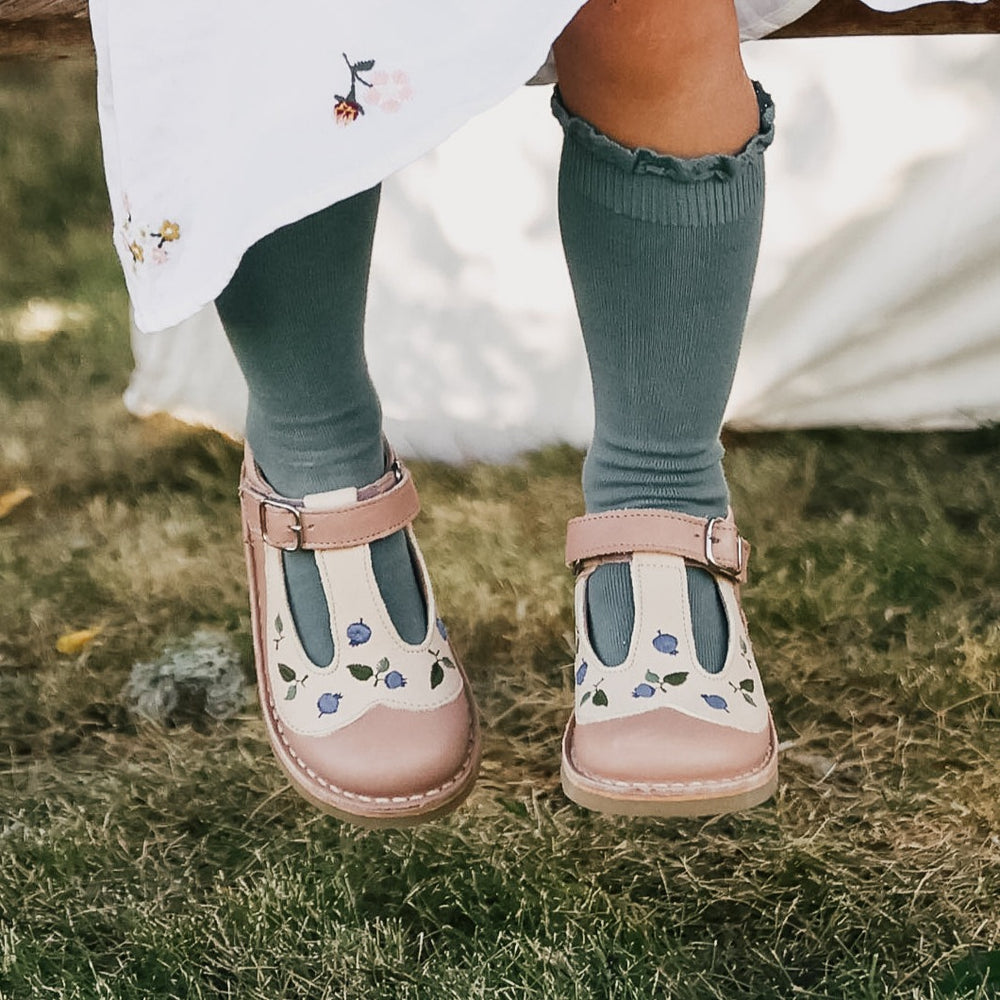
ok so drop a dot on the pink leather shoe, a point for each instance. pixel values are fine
(659, 735)
(387, 734)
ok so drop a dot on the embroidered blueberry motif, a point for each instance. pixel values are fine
(438, 667)
(289, 677)
(442, 631)
(716, 701)
(581, 672)
(746, 689)
(328, 704)
(358, 633)
(747, 656)
(654, 682)
(362, 672)
(597, 695)
(665, 643)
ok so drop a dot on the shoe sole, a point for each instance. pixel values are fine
(383, 820)
(379, 819)
(709, 799)
(391, 817)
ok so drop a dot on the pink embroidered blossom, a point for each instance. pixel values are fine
(159, 255)
(390, 91)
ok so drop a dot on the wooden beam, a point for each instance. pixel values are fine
(831, 18)
(43, 27)
(60, 27)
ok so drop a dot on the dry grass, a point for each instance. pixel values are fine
(146, 861)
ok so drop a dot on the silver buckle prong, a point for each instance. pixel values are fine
(710, 550)
(296, 527)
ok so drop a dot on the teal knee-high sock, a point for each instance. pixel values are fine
(294, 314)
(661, 252)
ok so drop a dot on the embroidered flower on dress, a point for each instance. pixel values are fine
(346, 112)
(389, 91)
(169, 231)
(143, 244)
(348, 109)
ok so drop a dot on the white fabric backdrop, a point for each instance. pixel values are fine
(877, 299)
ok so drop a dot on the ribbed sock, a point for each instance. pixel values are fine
(294, 313)
(661, 251)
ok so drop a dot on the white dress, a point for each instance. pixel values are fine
(224, 121)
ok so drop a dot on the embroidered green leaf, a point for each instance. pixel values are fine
(586, 697)
(748, 699)
(446, 660)
(359, 671)
(383, 665)
(743, 646)
(287, 674)
(292, 692)
(600, 698)
(652, 678)
(279, 627)
(674, 679)
(747, 685)
(437, 674)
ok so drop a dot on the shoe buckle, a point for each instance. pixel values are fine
(296, 527)
(710, 550)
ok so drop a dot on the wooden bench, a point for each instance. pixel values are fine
(60, 27)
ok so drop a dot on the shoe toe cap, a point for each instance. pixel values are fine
(391, 753)
(664, 746)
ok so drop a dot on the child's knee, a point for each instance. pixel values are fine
(640, 48)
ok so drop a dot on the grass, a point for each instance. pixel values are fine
(140, 860)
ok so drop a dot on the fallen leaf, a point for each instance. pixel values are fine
(12, 499)
(73, 642)
(822, 767)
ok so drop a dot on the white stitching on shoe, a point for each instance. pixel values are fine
(399, 799)
(257, 596)
(652, 788)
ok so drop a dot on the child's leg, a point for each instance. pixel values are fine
(662, 261)
(294, 313)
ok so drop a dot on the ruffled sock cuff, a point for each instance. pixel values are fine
(711, 189)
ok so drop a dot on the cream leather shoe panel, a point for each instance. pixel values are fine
(663, 746)
(371, 667)
(390, 753)
(661, 669)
